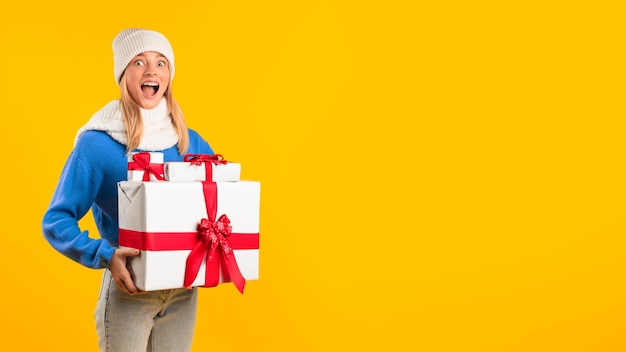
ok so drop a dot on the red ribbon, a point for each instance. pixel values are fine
(141, 161)
(173, 241)
(207, 160)
(213, 244)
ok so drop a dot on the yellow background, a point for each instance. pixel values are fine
(436, 176)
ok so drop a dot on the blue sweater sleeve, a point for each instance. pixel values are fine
(76, 191)
(197, 144)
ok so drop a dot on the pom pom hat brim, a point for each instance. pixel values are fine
(134, 41)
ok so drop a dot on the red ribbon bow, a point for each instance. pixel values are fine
(141, 161)
(198, 159)
(213, 245)
(207, 160)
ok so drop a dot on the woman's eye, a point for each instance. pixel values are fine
(138, 63)
(161, 63)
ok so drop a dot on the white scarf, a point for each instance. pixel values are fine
(158, 131)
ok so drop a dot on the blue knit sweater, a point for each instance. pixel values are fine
(89, 180)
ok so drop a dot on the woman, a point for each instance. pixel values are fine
(145, 118)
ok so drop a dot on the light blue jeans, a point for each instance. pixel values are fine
(160, 321)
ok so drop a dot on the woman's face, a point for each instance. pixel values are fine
(147, 78)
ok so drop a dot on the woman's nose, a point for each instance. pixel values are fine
(150, 70)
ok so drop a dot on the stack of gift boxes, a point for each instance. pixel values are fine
(194, 221)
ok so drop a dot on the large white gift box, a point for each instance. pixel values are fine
(185, 171)
(142, 164)
(162, 218)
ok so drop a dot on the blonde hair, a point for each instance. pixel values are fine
(133, 122)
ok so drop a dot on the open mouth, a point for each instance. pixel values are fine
(150, 88)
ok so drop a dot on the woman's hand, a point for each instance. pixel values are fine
(121, 276)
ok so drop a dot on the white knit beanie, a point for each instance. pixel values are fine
(134, 41)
